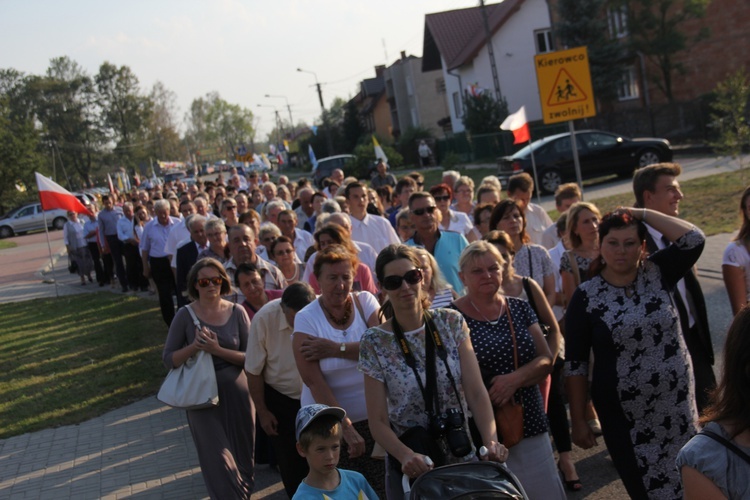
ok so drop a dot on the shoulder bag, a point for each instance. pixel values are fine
(727, 443)
(532, 302)
(509, 417)
(192, 385)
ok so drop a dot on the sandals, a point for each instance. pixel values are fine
(574, 485)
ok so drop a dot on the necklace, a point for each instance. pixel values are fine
(493, 323)
(294, 277)
(347, 313)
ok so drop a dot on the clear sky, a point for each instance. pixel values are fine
(243, 49)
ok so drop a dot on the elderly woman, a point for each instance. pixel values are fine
(463, 192)
(224, 434)
(457, 222)
(266, 236)
(582, 229)
(530, 260)
(283, 254)
(707, 468)
(326, 348)
(393, 385)
(216, 233)
(513, 358)
(78, 250)
(439, 292)
(333, 234)
(735, 266)
(642, 382)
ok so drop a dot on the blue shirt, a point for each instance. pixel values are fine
(350, 487)
(448, 249)
(108, 221)
(155, 237)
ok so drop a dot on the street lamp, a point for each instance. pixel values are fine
(288, 107)
(329, 142)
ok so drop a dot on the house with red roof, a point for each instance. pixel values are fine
(455, 42)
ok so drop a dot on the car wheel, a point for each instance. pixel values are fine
(6, 232)
(648, 157)
(549, 181)
(59, 223)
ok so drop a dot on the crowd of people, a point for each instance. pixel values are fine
(430, 307)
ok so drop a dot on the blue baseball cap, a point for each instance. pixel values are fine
(307, 414)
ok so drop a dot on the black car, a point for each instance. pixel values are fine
(600, 154)
(327, 165)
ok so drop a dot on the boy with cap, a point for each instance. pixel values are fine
(319, 434)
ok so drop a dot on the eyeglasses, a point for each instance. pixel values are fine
(284, 252)
(421, 211)
(215, 281)
(230, 207)
(441, 198)
(411, 277)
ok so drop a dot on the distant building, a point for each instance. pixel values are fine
(454, 42)
(416, 98)
(372, 106)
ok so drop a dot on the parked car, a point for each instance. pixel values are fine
(328, 164)
(30, 218)
(600, 154)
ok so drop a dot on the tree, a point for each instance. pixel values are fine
(584, 23)
(730, 115)
(351, 128)
(483, 114)
(166, 143)
(656, 29)
(125, 111)
(212, 121)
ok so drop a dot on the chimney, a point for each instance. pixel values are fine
(403, 55)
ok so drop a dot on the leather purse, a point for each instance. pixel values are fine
(509, 417)
(192, 385)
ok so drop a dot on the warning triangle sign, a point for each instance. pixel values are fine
(565, 90)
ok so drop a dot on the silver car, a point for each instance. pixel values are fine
(30, 218)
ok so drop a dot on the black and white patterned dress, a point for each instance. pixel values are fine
(642, 384)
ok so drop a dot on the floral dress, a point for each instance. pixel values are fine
(642, 384)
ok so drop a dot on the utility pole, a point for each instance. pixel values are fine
(490, 50)
(329, 141)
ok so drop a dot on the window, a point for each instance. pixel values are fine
(543, 41)
(598, 141)
(628, 88)
(409, 86)
(617, 18)
(457, 104)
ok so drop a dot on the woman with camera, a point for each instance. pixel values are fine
(513, 358)
(404, 412)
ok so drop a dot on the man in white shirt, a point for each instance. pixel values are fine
(566, 195)
(374, 230)
(520, 187)
(179, 232)
(155, 259)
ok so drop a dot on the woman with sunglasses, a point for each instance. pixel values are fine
(224, 434)
(282, 251)
(326, 348)
(454, 221)
(513, 358)
(395, 396)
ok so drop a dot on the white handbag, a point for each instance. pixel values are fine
(192, 385)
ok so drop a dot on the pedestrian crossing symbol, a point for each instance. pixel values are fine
(564, 81)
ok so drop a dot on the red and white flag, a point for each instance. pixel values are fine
(53, 195)
(518, 125)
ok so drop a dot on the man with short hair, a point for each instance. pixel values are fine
(656, 188)
(372, 229)
(274, 381)
(450, 177)
(445, 246)
(566, 195)
(187, 254)
(156, 260)
(242, 204)
(404, 189)
(180, 232)
(126, 235)
(382, 177)
(111, 244)
(520, 187)
(301, 239)
(305, 209)
(242, 250)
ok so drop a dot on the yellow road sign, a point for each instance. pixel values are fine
(564, 81)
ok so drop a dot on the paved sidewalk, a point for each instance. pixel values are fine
(145, 450)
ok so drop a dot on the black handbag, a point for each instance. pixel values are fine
(467, 480)
(72, 265)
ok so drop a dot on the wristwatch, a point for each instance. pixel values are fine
(343, 347)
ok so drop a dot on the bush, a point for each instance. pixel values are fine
(450, 161)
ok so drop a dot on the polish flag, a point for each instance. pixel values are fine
(53, 196)
(518, 125)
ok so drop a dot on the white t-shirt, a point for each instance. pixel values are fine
(374, 230)
(537, 221)
(736, 255)
(459, 223)
(341, 375)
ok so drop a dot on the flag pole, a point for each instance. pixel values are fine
(49, 248)
(533, 168)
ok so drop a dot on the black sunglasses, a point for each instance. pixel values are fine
(421, 211)
(216, 281)
(394, 282)
(442, 198)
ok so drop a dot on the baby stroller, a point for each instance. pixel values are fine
(468, 481)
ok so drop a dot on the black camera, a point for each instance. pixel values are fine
(451, 425)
